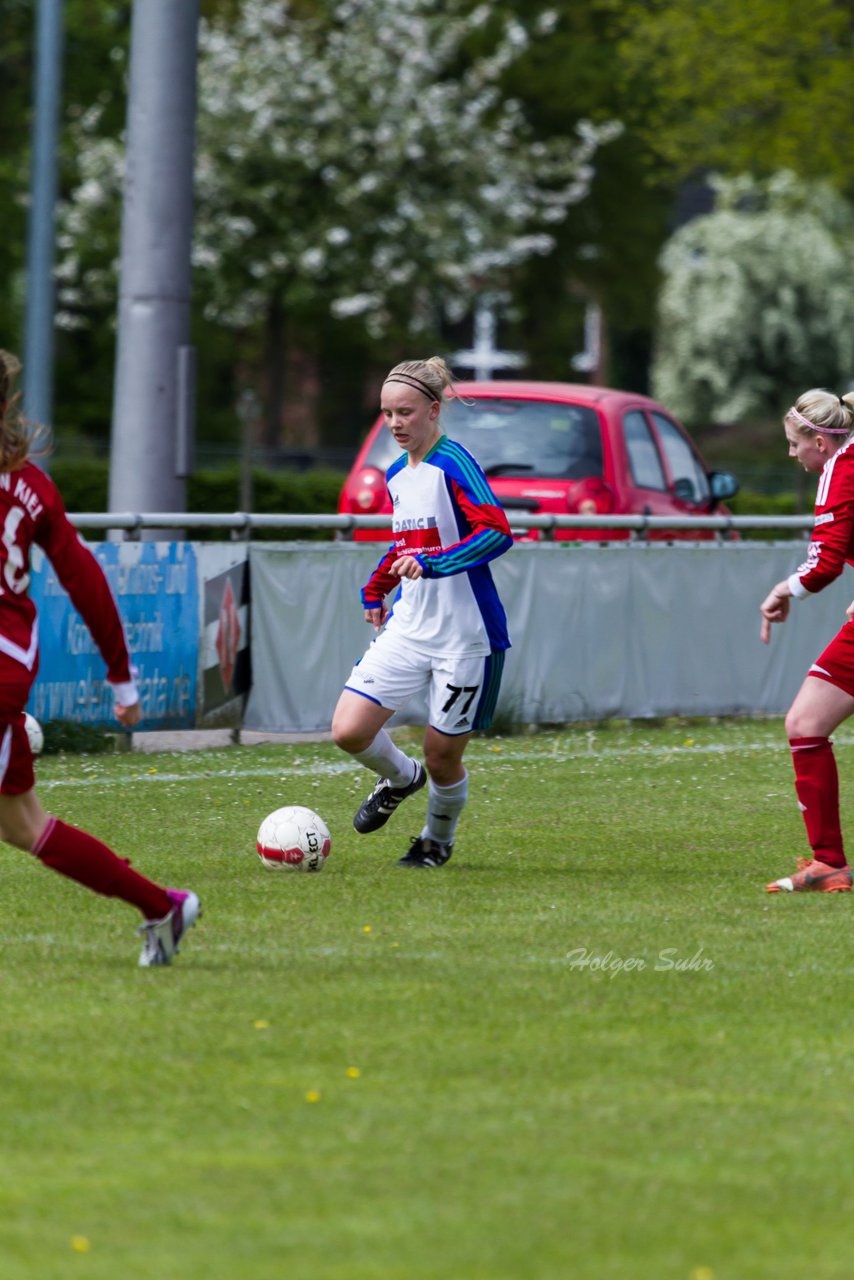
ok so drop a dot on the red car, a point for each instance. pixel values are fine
(563, 448)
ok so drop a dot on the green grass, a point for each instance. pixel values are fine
(516, 1115)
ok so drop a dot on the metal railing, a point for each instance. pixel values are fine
(242, 524)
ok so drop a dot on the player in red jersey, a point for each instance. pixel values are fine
(31, 511)
(820, 431)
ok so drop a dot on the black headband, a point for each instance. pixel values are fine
(410, 380)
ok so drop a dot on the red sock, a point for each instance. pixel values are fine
(76, 854)
(817, 787)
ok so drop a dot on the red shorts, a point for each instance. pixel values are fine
(836, 663)
(16, 758)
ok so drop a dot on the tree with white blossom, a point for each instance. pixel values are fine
(352, 161)
(756, 303)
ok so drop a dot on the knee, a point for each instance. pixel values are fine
(343, 737)
(793, 725)
(801, 723)
(348, 736)
(444, 767)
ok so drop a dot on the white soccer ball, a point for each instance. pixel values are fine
(294, 839)
(34, 733)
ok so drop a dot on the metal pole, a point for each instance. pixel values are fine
(248, 408)
(41, 234)
(153, 396)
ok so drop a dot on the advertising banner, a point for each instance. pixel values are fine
(621, 630)
(156, 588)
(225, 669)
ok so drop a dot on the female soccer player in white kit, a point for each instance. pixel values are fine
(819, 429)
(446, 631)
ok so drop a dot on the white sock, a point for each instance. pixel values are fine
(443, 810)
(387, 760)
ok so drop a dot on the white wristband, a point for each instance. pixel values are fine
(797, 588)
(126, 694)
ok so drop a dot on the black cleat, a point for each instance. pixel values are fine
(383, 800)
(424, 852)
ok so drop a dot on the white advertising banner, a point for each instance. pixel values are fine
(599, 631)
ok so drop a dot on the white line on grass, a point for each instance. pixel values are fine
(481, 750)
(290, 771)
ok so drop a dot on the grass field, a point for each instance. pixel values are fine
(590, 1048)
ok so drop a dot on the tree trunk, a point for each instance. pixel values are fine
(300, 425)
(292, 389)
(274, 376)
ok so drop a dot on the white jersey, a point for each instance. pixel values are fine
(447, 517)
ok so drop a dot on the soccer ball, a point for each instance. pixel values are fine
(34, 733)
(294, 839)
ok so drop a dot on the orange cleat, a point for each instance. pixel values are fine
(812, 874)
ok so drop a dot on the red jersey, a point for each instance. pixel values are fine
(832, 543)
(31, 511)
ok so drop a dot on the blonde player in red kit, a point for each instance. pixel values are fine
(819, 429)
(32, 512)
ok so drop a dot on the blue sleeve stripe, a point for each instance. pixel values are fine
(470, 473)
(485, 546)
(476, 481)
(471, 553)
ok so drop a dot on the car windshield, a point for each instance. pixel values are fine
(511, 437)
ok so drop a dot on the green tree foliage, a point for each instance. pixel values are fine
(336, 174)
(742, 87)
(94, 35)
(756, 304)
(607, 250)
(96, 38)
(15, 90)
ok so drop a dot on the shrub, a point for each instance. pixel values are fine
(67, 735)
(84, 486)
(748, 502)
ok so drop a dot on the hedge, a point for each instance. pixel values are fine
(84, 487)
(750, 503)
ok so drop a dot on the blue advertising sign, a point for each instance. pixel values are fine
(156, 587)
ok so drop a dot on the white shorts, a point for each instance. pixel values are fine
(462, 691)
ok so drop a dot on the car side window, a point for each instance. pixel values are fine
(644, 460)
(689, 476)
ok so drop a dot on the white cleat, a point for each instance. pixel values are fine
(162, 937)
